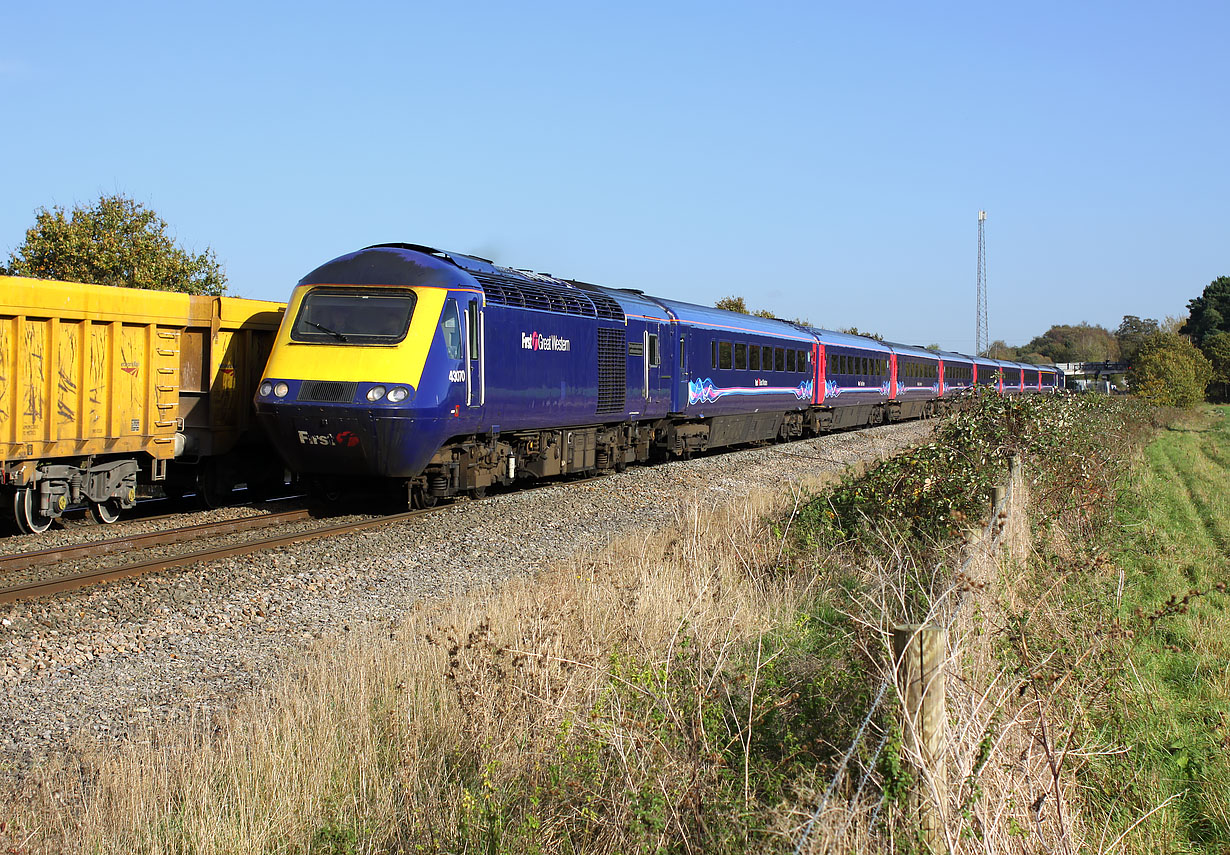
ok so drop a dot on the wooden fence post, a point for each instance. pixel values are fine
(919, 651)
(998, 494)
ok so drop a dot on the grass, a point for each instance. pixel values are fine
(693, 691)
(1175, 559)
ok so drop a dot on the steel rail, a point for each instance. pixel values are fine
(31, 590)
(130, 542)
(46, 587)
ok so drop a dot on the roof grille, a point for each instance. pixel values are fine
(326, 392)
(612, 370)
(547, 295)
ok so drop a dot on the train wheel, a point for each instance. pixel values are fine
(104, 513)
(25, 511)
(213, 489)
(420, 499)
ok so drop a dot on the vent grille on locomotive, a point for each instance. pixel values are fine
(546, 296)
(326, 391)
(612, 371)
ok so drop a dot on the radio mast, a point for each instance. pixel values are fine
(982, 338)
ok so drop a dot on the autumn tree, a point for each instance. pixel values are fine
(116, 241)
(1000, 349)
(1170, 371)
(1210, 312)
(1081, 342)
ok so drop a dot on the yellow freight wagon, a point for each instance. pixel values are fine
(106, 392)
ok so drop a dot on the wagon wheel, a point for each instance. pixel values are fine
(104, 512)
(25, 511)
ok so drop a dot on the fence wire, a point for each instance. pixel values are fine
(991, 535)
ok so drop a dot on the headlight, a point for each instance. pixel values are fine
(266, 389)
(375, 393)
(398, 394)
(280, 390)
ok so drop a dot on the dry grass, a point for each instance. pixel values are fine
(401, 738)
(610, 705)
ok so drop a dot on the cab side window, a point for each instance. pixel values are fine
(450, 329)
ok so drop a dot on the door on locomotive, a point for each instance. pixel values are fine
(476, 341)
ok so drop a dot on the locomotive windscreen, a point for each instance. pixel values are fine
(353, 316)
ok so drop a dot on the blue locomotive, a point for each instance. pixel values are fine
(449, 374)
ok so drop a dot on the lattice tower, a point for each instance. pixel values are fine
(982, 338)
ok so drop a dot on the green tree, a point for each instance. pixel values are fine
(857, 331)
(1082, 342)
(1210, 312)
(1132, 333)
(1170, 371)
(1216, 349)
(1000, 349)
(116, 241)
(732, 304)
(738, 304)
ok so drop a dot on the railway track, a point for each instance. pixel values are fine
(55, 584)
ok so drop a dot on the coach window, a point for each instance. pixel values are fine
(779, 359)
(450, 329)
(740, 356)
(790, 360)
(723, 354)
(753, 357)
(713, 353)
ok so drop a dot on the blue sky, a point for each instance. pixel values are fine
(825, 161)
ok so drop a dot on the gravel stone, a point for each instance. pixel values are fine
(91, 664)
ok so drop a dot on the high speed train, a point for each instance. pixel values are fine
(446, 374)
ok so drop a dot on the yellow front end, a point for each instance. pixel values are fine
(400, 362)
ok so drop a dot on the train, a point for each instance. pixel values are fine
(443, 374)
(108, 395)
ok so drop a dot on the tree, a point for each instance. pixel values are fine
(1132, 333)
(1170, 371)
(1000, 349)
(738, 304)
(856, 331)
(116, 241)
(1216, 349)
(1080, 343)
(732, 304)
(1210, 312)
